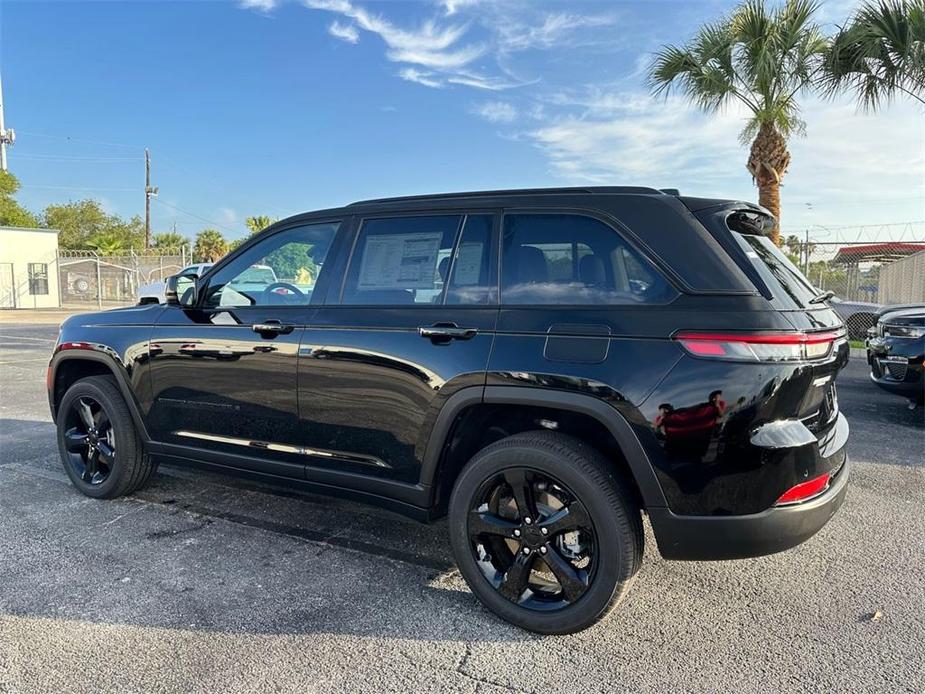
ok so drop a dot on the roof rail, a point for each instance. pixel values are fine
(602, 190)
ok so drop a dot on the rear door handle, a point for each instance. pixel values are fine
(447, 331)
(272, 327)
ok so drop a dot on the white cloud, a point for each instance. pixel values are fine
(226, 215)
(551, 31)
(431, 45)
(451, 7)
(846, 167)
(428, 79)
(262, 5)
(344, 32)
(496, 112)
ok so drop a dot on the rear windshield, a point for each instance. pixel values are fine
(788, 285)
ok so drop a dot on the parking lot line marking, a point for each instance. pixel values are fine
(31, 339)
(20, 361)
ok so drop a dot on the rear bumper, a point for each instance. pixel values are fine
(736, 537)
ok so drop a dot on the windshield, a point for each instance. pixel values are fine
(788, 285)
(256, 275)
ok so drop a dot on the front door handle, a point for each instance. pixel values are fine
(447, 331)
(272, 327)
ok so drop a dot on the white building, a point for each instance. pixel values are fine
(29, 268)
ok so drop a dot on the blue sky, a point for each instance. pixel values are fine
(276, 107)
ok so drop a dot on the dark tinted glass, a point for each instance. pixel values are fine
(571, 259)
(278, 271)
(473, 275)
(789, 286)
(401, 261)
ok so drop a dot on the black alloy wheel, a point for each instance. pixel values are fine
(532, 539)
(101, 450)
(545, 531)
(89, 439)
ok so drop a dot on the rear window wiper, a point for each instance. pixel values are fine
(822, 296)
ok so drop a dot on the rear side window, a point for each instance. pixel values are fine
(401, 261)
(573, 259)
(788, 285)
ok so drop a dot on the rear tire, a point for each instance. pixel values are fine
(586, 526)
(100, 449)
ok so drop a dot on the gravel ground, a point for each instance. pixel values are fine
(202, 583)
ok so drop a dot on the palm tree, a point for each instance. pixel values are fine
(258, 223)
(169, 240)
(880, 53)
(108, 243)
(210, 246)
(762, 58)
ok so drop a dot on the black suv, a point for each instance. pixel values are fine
(543, 366)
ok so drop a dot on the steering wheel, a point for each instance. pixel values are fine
(271, 292)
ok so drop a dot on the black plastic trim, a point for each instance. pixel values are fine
(616, 424)
(703, 538)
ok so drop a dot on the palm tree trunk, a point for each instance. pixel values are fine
(769, 198)
(767, 163)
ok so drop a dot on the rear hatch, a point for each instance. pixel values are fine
(742, 230)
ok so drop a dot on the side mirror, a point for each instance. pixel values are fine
(181, 290)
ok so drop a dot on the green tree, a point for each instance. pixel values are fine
(84, 223)
(168, 240)
(763, 58)
(880, 53)
(108, 243)
(12, 214)
(210, 246)
(258, 223)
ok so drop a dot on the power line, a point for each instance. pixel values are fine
(195, 216)
(68, 138)
(83, 160)
(37, 185)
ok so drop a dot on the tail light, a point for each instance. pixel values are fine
(804, 490)
(774, 347)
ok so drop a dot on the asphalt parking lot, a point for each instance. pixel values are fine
(205, 583)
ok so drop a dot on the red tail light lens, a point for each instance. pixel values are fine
(804, 490)
(759, 346)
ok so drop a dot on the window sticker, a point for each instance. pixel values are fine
(399, 261)
(468, 267)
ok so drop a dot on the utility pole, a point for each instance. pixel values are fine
(150, 192)
(7, 137)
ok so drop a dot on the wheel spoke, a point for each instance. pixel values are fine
(101, 420)
(522, 488)
(486, 523)
(567, 518)
(74, 441)
(86, 415)
(106, 454)
(91, 467)
(572, 580)
(515, 580)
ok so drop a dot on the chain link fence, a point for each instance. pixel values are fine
(107, 280)
(865, 276)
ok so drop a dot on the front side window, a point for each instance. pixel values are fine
(401, 261)
(572, 259)
(278, 271)
(38, 278)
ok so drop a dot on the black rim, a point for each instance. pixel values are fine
(532, 539)
(89, 440)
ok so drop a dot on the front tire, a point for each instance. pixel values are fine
(99, 446)
(544, 531)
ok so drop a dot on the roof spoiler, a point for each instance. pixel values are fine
(671, 191)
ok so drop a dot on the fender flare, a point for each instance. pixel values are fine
(115, 368)
(638, 461)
